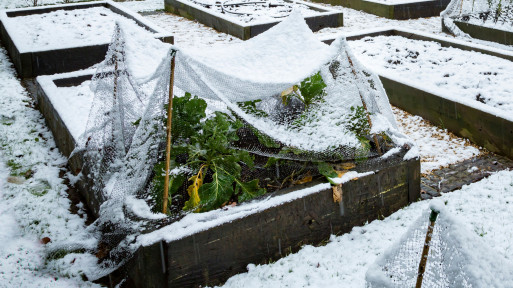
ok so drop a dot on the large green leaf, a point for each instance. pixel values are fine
(312, 89)
(216, 193)
(248, 190)
(250, 108)
(326, 170)
(187, 114)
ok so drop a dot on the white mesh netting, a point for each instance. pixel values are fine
(457, 258)
(125, 130)
(263, 67)
(125, 133)
(117, 104)
(497, 14)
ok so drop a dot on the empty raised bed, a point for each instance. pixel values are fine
(70, 37)
(246, 19)
(450, 83)
(486, 20)
(62, 99)
(394, 9)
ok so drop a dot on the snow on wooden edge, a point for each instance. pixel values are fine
(197, 222)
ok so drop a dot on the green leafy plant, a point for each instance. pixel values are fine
(309, 91)
(204, 145)
(359, 125)
(210, 152)
(250, 108)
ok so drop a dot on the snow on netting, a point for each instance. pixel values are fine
(490, 13)
(123, 137)
(125, 131)
(282, 95)
(457, 258)
(117, 104)
(262, 68)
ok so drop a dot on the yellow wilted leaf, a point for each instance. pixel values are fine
(304, 180)
(192, 190)
(340, 173)
(337, 193)
(287, 91)
(345, 166)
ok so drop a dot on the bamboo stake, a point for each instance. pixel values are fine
(425, 251)
(168, 144)
(365, 107)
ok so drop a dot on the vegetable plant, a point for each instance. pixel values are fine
(203, 147)
(309, 91)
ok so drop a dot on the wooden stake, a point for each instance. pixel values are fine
(425, 251)
(366, 111)
(168, 144)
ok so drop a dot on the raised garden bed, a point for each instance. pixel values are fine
(392, 9)
(489, 125)
(246, 26)
(43, 40)
(265, 229)
(61, 98)
(483, 26)
(223, 245)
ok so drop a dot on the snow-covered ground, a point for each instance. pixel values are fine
(67, 28)
(10, 4)
(33, 199)
(483, 209)
(443, 70)
(438, 147)
(34, 206)
(253, 12)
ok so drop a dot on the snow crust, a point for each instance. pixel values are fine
(436, 147)
(71, 103)
(34, 202)
(197, 222)
(391, 152)
(482, 211)
(258, 13)
(284, 54)
(349, 176)
(445, 71)
(437, 205)
(62, 29)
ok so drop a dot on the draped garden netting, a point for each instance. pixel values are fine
(265, 114)
(457, 258)
(279, 110)
(496, 14)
